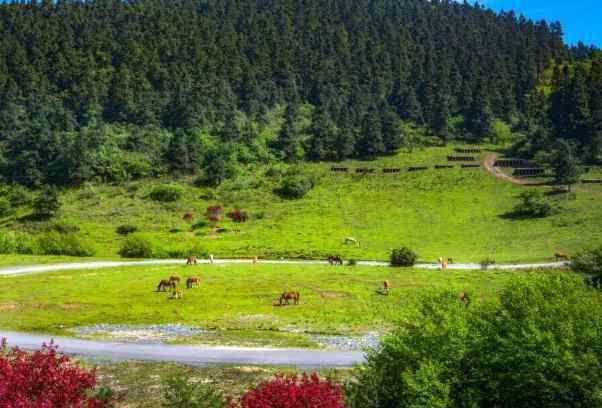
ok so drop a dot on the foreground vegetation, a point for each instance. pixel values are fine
(538, 344)
(235, 302)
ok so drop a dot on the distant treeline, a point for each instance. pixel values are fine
(75, 75)
(567, 107)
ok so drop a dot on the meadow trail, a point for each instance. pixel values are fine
(489, 165)
(31, 269)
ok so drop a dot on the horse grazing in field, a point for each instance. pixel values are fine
(177, 293)
(193, 282)
(288, 296)
(174, 279)
(464, 297)
(164, 285)
(191, 260)
(561, 256)
(386, 287)
(335, 260)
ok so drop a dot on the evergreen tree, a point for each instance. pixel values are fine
(289, 143)
(566, 164)
(479, 119)
(370, 143)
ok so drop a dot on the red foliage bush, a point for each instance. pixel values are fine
(214, 212)
(45, 379)
(294, 392)
(238, 216)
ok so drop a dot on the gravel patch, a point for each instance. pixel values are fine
(141, 334)
(348, 343)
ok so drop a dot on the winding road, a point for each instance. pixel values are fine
(202, 355)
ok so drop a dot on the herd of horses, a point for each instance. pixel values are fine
(172, 283)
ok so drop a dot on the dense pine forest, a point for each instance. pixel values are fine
(111, 90)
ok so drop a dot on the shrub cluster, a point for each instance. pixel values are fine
(403, 257)
(590, 262)
(47, 379)
(533, 204)
(540, 346)
(136, 246)
(166, 193)
(239, 216)
(126, 229)
(46, 204)
(280, 392)
(294, 187)
(69, 244)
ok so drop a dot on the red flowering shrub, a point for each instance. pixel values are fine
(45, 379)
(214, 212)
(238, 216)
(294, 392)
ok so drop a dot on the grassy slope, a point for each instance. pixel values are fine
(457, 213)
(234, 299)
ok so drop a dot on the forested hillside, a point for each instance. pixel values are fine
(567, 106)
(113, 89)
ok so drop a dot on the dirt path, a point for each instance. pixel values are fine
(489, 164)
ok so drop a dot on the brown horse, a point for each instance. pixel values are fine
(174, 279)
(386, 287)
(177, 293)
(164, 285)
(561, 256)
(463, 297)
(335, 260)
(191, 260)
(193, 282)
(288, 296)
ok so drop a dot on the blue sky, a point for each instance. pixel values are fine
(581, 19)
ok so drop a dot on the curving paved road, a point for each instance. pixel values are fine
(30, 269)
(187, 354)
(202, 355)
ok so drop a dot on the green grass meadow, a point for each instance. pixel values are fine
(237, 301)
(460, 213)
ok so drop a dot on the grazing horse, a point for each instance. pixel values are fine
(287, 296)
(335, 260)
(463, 297)
(193, 282)
(386, 287)
(177, 293)
(164, 285)
(561, 256)
(174, 279)
(351, 241)
(191, 260)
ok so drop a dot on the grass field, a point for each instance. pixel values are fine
(234, 301)
(460, 213)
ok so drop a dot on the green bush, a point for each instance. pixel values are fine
(539, 346)
(533, 204)
(126, 229)
(47, 204)
(136, 246)
(403, 257)
(352, 262)
(5, 207)
(63, 228)
(294, 187)
(179, 392)
(54, 243)
(589, 262)
(167, 193)
(19, 196)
